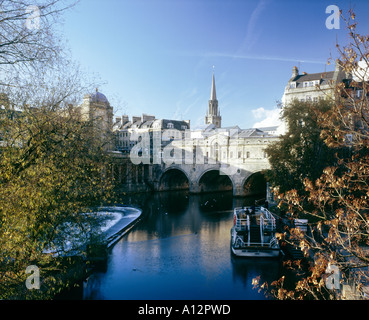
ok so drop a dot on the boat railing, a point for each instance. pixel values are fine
(243, 223)
(266, 219)
(269, 217)
(262, 229)
(270, 244)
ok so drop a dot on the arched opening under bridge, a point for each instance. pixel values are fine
(214, 181)
(173, 179)
(255, 185)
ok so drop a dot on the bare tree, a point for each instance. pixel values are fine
(26, 30)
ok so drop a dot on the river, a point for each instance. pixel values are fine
(180, 250)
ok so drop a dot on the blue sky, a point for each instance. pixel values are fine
(157, 56)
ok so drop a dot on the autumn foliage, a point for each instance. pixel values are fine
(53, 164)
(336, 202)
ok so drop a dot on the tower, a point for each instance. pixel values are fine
(97, 109)
(213, 114)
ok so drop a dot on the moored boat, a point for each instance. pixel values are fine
(253, 233)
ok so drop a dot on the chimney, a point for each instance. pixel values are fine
(135, 119)
(125, 119)
(145, 117)
(295, 72)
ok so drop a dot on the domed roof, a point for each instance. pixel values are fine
(99, 97)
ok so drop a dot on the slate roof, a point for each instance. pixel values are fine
(325, 78)
(250, 133)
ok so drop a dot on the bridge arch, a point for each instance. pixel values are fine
(254, 184)
(212, 180)
(174, 178)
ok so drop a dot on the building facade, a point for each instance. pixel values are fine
(129, 133)
(312, 87)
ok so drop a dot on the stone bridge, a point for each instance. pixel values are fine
(243, 176)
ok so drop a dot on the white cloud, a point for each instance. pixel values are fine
(266, 118)
(251, 34)
(362, 72)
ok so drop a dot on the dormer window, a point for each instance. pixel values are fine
(183, 127)
(170, 125)
(311, 83)
(293, 85)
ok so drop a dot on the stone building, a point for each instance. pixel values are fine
(313, 86)
(96, 108)
(162, 154)
(129, 133)
(230, 145)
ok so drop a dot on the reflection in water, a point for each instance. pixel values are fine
(181, 250)
(244, 270)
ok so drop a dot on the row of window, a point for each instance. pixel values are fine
(239, 154)
(358, 94)
(126, 143)
(169, 126)
(309, 98)
(311, 83)
(305, 84)
(167, 135)
(234, 155)
(354, 94)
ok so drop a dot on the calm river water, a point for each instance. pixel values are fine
(181, 250)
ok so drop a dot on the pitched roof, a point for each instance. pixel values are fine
(250, 133)
(177, 124)
(314, 76)
(324, 77)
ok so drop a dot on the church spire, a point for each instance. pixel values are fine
(213, 95)
(213, 114)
